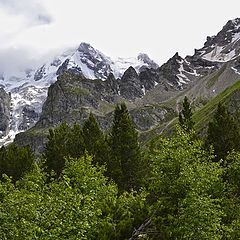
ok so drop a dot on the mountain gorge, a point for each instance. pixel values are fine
(84, 80)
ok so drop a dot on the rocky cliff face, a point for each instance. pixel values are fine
(72, 97)
(225, 46)
(130, 86)
(29, 88)
(219, 49)
(4, 112)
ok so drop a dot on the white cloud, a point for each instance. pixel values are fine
(12, 60)
(117, 28)
(125, 28)
(31, 10)
(16, 17)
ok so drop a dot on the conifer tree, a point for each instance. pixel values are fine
(15, 161)
(57, 148)
(63, 141)
(185, 116)
(91, 133)
(76, 145)
(223, 133)
(125, 158)
(94, 140)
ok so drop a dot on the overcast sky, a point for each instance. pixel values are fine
(32, 28)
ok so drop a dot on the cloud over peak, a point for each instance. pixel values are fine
(32, 11)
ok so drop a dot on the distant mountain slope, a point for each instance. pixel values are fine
(230, 97)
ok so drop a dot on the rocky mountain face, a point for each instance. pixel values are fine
(72, 97)
(29, 88)
(225, 45)
(90, 81)
(92, 64)
(4, 112)
(219, 49)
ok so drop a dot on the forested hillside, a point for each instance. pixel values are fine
(93, 185)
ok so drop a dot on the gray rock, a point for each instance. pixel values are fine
(5, 102)
(29, 118)
(146, 59)
(73, 96)
(150, 116)
(94, 60)
(224, 37)
(63, 67)
(148, 78)
(39, 74)
(169, 70)
(130, 86)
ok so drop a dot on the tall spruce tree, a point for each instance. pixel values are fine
(185, 116)
(57, 148)
(91, 133)
(223, 133)
(124, 165)
(95, 141)
(76, 145)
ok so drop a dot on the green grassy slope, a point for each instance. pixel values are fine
(201, 117)
(204, 115)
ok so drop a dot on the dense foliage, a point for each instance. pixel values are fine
(223, 133)
(82, 204)
(95, 141)
(89, 185)
(187, 187)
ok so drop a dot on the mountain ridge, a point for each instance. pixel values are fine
(140, 86)
(29, 88)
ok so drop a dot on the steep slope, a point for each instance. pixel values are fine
(4, 112)
(230, 97)
(225, 46)
(91, 63)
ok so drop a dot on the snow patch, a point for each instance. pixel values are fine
(75, 62)
(119, 65)
(194, 73)
(181, 77)
(235, 70)
(219, 54)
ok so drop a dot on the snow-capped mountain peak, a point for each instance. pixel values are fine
(225, 46)
(28, 88)
(87, 51)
